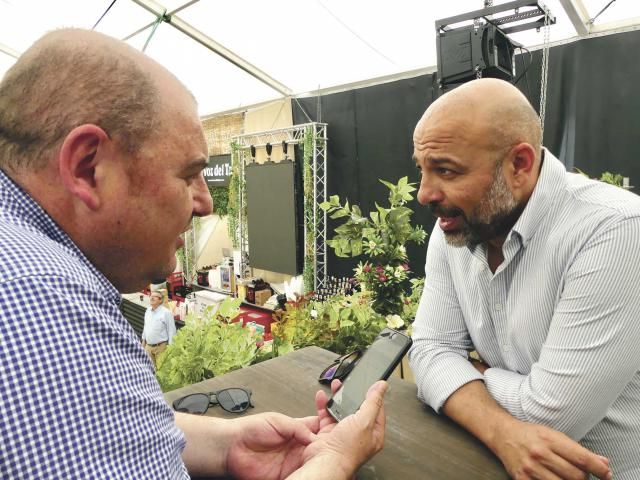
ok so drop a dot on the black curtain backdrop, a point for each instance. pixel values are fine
(591, 122)
(592, 109)
(370, 138)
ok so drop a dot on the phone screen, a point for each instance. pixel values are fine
(377, 363)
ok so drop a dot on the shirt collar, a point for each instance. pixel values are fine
(23, 209)
(550, 183)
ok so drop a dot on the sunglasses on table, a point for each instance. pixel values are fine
(233, 400)
(340, 367)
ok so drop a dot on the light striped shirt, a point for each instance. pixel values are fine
(159, 325)
(558, 322)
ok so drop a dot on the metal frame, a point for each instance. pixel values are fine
(293, 136)
(9, 51)
(578, 15)
(442, 25)
(209, 43)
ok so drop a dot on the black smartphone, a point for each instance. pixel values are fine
(377, 363)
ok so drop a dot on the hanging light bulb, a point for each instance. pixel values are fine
(269, 148)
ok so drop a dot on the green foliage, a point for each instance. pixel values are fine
(410, 302)
(308, 272)
(207, 347)
(381, 236)
(606, 177)
(220, 197)
(339, 324)
(389, 284)
(180, 255)
(612, 178)
(383, 233)
(236, 187)
(188, 265)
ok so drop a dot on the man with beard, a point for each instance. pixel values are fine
(536, 270)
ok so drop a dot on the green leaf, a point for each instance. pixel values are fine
(339, 214)
(356, 247)
(388, 184)
(230, 308)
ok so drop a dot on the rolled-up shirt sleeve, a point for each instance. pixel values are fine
(441, 342)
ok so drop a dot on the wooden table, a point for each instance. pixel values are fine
(418, 444)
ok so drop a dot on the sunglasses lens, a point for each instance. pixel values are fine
(340, 368)
(197, 403)
(346, 366)
(234, 400)
(327, 374)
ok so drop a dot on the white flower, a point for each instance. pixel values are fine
(395, 321)
(402, 249)
(294, 290)
(314, 314)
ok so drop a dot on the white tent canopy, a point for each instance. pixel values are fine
(289, 47)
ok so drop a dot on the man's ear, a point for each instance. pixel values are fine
(77, 161)
(522, 161)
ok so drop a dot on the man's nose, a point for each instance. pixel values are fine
(428, 192)
(202, 201)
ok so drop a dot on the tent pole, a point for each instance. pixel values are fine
(207, 42)
(577, 13)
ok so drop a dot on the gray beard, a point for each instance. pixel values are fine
(494, 216)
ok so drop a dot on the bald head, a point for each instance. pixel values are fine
(494, 109)
(73, 77)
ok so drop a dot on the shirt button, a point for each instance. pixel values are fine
(498, 307)
(506, 348)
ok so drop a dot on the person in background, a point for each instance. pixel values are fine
(101, 160)
(537, 270)
(159, 327)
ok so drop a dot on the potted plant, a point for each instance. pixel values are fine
(381, 236)
(207, 346)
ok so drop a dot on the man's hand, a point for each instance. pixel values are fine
(537, 452)
(341, 448)
(273, 446)
(268, 446)
(528, 451)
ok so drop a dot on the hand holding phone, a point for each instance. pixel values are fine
(377, 363)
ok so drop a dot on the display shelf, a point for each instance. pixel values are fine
(216, 290)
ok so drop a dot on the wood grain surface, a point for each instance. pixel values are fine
(418, 444)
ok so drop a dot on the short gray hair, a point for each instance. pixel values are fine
(57, 85)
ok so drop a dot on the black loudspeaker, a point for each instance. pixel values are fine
(464, 52)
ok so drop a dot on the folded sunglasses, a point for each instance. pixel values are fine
(233, 400)
(340, 367)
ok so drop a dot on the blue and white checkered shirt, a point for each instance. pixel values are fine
(78, 394)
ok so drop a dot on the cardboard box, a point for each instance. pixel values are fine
(262, 296)
(206, 298)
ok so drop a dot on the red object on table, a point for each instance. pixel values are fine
(175, 280)
(261, 317)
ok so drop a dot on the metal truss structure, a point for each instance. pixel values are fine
(294, 135)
